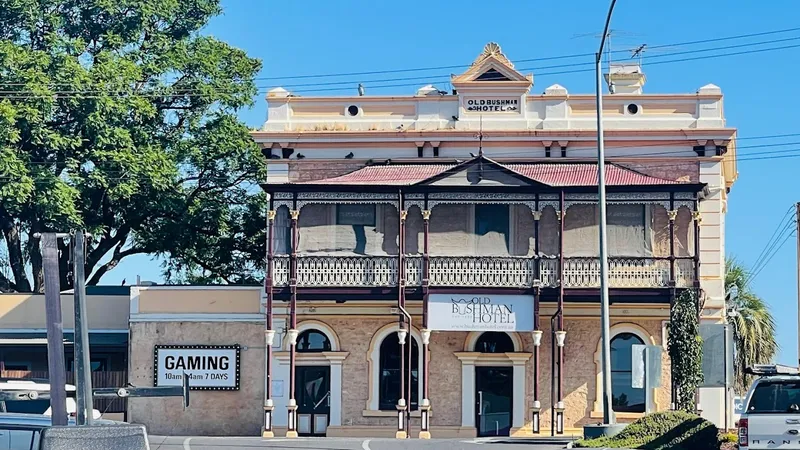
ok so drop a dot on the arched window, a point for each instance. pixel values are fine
(625, 397)
(494, 342)
(389, 382)
(313, 341)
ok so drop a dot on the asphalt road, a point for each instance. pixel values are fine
(255, 443)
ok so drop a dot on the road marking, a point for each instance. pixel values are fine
(365, 445)
(186, 445)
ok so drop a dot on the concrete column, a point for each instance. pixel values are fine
(518, 414)
(336, 393)
(467, 392)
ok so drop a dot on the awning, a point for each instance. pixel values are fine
(554, 175)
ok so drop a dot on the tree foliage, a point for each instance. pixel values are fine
(685, 350)
(753, 325)
(119, 117)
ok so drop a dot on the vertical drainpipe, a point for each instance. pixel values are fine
(537, 331)
(292, 334)
(403, 404)
(269, 333)
(560, 334)
(697, 220)
(425, 406)
(672, 214)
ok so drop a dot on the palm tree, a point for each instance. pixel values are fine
(753, 326)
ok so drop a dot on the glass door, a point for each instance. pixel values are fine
(494, 398)
(313, 394)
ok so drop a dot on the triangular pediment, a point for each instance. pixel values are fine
(480, 171)
(492, 66)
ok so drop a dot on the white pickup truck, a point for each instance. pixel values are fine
(771, 418)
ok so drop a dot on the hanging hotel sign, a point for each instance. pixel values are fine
(456, 312)
(209, 367)
(492, 104)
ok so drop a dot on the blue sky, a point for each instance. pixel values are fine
(761, 91)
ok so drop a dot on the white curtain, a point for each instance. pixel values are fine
(629, 228)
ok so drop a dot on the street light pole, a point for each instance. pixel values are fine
(608, 416)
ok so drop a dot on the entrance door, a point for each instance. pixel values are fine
(494, 388)
(313, 394)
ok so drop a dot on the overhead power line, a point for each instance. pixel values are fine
(547, 58)
(562, 168)
(783, 231)
(176, 91)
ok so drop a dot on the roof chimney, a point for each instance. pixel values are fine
(625, 78)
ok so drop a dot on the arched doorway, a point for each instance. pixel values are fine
(494, 386)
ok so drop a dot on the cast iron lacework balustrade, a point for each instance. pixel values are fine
(346, 271)
(480, 271)
(280, 270)
(413, 270)
(548, 271)
(622, 272)
(684, 272)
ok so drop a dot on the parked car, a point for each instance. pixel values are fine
(23, 431)
(41, 406)
(771, 418)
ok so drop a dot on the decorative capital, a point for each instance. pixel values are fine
(271, 215)
(270, 337)
(561, 215)
(426, 336)
(295, 213)
(697, 217)
(537, 215)
(426, 214)
(673, 214)
(537, 406)
(403, 214)
(292, 334)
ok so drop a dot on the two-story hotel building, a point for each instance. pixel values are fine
(432, 262)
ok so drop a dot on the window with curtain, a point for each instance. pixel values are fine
(282, 236)
(494, 342)
(629, 230)
(625, 398)
(492, 229)
(389, 373)
(313, 341)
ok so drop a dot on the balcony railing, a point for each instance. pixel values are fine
(481, 271)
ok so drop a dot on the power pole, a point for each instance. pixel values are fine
(83, 368)
(55, 327)
(797, 233)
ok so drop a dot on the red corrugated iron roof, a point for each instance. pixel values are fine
(583, 174)
(396, 175)
(557, 175)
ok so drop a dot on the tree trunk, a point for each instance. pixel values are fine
(13, 242)
(35, 256)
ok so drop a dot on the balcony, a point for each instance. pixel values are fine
(481, 271)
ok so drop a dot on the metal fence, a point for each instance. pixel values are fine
(99, 380)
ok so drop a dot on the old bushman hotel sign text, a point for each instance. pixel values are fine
(453, 312)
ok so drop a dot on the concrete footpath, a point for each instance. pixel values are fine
(254, 443)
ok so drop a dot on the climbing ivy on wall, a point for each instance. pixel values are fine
(685, 350)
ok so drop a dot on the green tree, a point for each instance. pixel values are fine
(119, 117)
(685, 349)
(753, 325)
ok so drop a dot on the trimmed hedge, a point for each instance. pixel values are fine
(670, 430)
